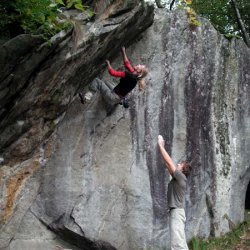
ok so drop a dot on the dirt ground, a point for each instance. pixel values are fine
(244, 241)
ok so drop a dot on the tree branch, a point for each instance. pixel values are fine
(171, 5)
(240, 23)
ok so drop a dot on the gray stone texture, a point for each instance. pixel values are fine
(102, 182)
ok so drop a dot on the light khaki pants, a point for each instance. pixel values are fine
(177, 229)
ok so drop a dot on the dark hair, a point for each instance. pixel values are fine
(186, 168)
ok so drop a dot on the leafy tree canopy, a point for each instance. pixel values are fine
(223, 15)
(34, 16)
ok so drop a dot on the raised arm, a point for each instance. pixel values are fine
(167, 159)
(126, 61)
(113, 72)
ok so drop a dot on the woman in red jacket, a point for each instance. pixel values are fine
(128, 81)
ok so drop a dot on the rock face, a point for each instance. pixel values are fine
(96, 179)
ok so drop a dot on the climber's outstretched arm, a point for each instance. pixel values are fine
(124, 55)
(113, 72)
(126, 61)
(167, 159)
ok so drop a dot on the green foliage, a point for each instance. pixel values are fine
(222, 14)
(227, 242)
(77, 4)
(230, 36)
(28, 16)
(34, 16)
(197, 244)
(192, 18)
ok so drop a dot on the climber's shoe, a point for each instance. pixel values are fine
(86, 98)
(124, 103)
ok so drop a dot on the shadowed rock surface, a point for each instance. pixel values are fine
(97, 180)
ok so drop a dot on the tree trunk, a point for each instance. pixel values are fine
(240, 23)
(171, 5)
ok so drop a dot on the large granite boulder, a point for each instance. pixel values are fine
(98, 180)
(39, 81)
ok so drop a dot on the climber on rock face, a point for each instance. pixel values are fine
(176, 197)
(128, 81)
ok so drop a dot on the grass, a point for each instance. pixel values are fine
(233, 240)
